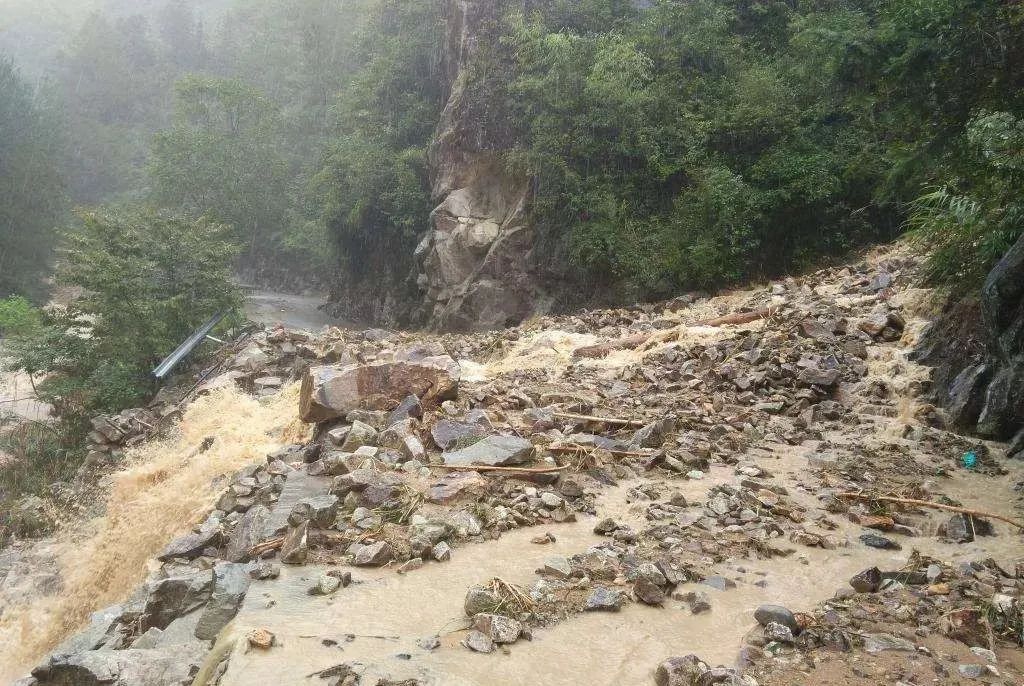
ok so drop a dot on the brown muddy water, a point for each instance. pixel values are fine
(378, 620)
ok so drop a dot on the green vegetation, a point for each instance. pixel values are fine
(149, 279)
(31, 192)
(18, 316)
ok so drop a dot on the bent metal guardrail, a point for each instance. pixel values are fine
(190, 344)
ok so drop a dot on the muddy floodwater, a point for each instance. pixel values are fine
(379, 619)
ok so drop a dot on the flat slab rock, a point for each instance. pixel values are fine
(170, 666)
(493, 451)
(299, 486)
(331, 392)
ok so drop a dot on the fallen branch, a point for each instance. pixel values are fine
(487, 468)
(604, 420)
(604, 349)
(574, 448)
(935, 506)
(260, 548)
(735, 318)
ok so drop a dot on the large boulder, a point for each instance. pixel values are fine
(331, 392)
(169, 666)
(493, 451)
(230, 584)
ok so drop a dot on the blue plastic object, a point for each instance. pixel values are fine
(970, 459)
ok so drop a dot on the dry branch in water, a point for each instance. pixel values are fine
(604, 420)
(935, 506)
(486, 468)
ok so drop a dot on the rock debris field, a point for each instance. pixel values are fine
(746, 489)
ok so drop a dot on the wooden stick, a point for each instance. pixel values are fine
(486, 468)
(737, 318)
(272, 544)
(604, 420)
(936, 506)
(574, 448)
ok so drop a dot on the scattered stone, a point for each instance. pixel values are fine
(260, 638)
(498, 628)
(493, 451)
(478, 641)
(295, 548)
(868, 581)
(767, 614)
(374, 555)
(698, 601)
(878, 643)
(264, 571)
(681, 671)
(880, 542)
(604, 599)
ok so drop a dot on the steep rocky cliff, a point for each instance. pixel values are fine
(473, 264)
(978, 347)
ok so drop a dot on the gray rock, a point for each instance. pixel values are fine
(498, 628)
(681, 671)
(374, 555)
(826, 378)
(493, 451)
(167, 599)
(773, 631)
(767, 614)
(265, 570)
(868, 581)
(558, 567)
(193, 544)
(295, 548)
(102, 627)
(449, 434)
(359, 434)
(479, 642)
(170, 666)
(330, 392)
(326, 584)
(299, 486)
(648, 592)
(881, 542)
(480, 600)
(604, 599)
(320, 511)
(442, 552)
(230, 584)
(247, 533)
(962, 528)
(698, 601)
(409, 408)
(878, 643)
(719, 582)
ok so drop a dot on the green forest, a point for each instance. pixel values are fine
(672, 145)
(669, 145)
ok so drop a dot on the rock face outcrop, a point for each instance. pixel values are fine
(985, 393)
(474, 263)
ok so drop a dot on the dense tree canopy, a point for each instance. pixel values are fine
(31, 190)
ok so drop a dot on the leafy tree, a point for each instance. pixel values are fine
(31, 190)
(148, 280)
(220, 159)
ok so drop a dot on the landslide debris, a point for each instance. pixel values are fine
(759, 425)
